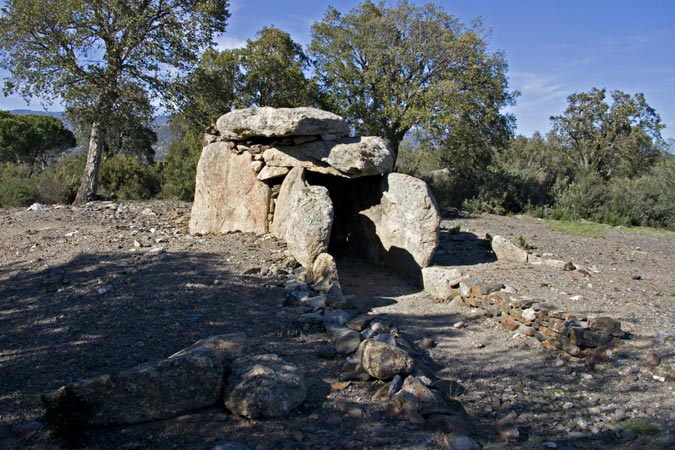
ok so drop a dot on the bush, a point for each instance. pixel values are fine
(178, 180)
(18, 185)
(127, 178)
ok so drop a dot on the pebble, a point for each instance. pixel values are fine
(550, 444)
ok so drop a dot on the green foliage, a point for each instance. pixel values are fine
(18, 186)
(620, 139)
(32, 139)
(271, 72)
(390, 69)
(126, 177)
(128, 127)
(181, 166)
(95, 55)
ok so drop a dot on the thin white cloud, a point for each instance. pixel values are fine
(226, 42)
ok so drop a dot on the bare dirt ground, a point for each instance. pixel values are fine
(105, 287)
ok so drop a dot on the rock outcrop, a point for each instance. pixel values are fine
(294, 172)
(147, 392)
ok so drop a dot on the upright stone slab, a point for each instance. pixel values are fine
(401, 231)
(303, 217)
(228, 195)
(248, 123)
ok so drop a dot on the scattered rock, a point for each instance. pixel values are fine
(441, 282)
(383, 361)
(458, 441)
(506, 428)
(264, 386)
(507, 251)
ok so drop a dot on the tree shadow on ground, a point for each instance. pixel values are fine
(101, 313)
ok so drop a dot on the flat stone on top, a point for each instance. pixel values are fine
(246, 123)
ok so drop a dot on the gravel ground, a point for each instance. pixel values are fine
(101, 288)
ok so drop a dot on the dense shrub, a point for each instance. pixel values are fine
(18, 185)
(126, 177)
(178, 178)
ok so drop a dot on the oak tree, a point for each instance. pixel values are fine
(75, 48)
(391, 69)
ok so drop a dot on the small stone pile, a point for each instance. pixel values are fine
(555, 329)
(296, 173)
(376, 351)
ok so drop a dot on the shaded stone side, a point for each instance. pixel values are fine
(405, 224)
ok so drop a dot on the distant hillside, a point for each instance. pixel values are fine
(160, 124)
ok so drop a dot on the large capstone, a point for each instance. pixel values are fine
(244, 124)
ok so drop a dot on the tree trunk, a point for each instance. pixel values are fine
(87, 190)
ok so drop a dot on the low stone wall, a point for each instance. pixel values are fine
(555, 329)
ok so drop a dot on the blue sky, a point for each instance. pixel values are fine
(553, 48)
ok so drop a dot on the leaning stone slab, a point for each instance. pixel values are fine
(438, 281)
(303, 217)
(405, 223)
(264, 386)
(246, 123)
(507, 251)
(148, 392)
(228, 195)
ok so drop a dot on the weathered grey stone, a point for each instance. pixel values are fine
(290, 189)
(507, 251)
(147, 392)
(349, 157)
(438, 281)
(227, 347)
(344, 340)
(361, 156)
(459, 441)
(275, 157)
(268, 172)
(405, 223)
(228, 196)
(384, 361)
(303, 218)
(606, 325)
(264, 386)
(583, 337)
(325, 275)
(429, 401)
(246, 123)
